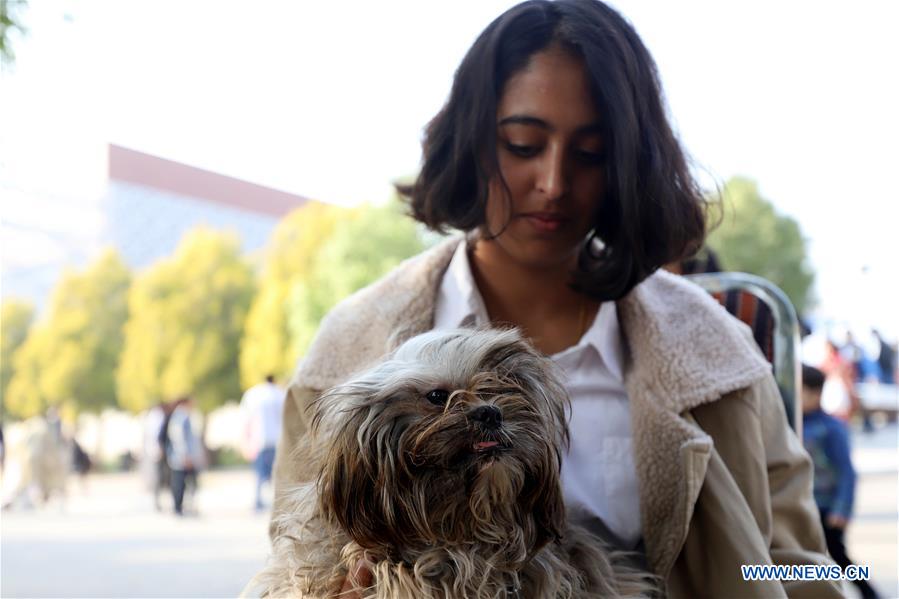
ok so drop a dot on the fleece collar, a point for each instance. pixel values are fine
(684, 347)
(684, 350)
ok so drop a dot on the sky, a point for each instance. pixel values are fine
(328, 100)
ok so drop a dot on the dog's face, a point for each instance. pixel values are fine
(455, 439)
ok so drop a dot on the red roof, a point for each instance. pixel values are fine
(132, 166)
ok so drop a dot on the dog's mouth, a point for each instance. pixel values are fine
(489, 447)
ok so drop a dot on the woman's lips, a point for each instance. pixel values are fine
(545, 223)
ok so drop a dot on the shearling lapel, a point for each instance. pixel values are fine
(684, 351)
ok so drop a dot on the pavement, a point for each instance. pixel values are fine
(107, 540)
(873, 534)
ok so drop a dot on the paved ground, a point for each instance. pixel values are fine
(873, 534)
(107, 541)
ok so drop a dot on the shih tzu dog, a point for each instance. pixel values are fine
(439, 471)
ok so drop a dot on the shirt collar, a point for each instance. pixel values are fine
(460, 305)
(604, 336)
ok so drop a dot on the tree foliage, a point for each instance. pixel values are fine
(9, 23)
(266, 347)
(364, 246)
(754, 238)
(15, 319)
(70, 358)
(187, 317)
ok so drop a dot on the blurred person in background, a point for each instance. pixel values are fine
(81, 462)
(838, 397)
(886, 360)
(854, 357)
(154, 465)
(860, 368)
(827, 441)
(50, 455)
(261, 408)
(39, 463)
(184, 452)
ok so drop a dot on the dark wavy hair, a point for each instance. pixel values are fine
(652, 211)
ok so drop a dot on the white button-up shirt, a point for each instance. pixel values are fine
(599, 479)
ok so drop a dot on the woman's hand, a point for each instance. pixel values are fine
(360, 576)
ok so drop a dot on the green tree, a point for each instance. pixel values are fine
(15, 319)
(70, 358)
(266, 347)
(753, 237)
(364, 246)
(187, 316)
(9, 22)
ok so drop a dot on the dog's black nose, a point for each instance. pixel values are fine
(488, 416)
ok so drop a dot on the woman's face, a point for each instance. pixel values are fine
(551, 155)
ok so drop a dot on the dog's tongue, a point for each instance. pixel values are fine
(485, 444)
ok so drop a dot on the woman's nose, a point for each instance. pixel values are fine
(552, 179)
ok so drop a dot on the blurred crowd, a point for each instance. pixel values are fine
(860, 378)
(40, 457)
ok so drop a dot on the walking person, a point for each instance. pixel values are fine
(154, 464)
(184, 452)
(839, 397)
(886, 359)
(261, 408)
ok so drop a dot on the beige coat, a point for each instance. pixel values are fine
(723, 480)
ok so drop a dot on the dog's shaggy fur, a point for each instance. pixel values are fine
(439, 469)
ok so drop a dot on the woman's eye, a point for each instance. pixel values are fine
(522, 150)
(437, 396)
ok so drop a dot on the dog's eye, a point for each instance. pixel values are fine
(437, 396)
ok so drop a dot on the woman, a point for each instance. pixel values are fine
(554, 155)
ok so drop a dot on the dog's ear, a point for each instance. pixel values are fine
(542, 497)
(351, 489)
(346, 486)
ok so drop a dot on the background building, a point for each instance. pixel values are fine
(146, 205)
